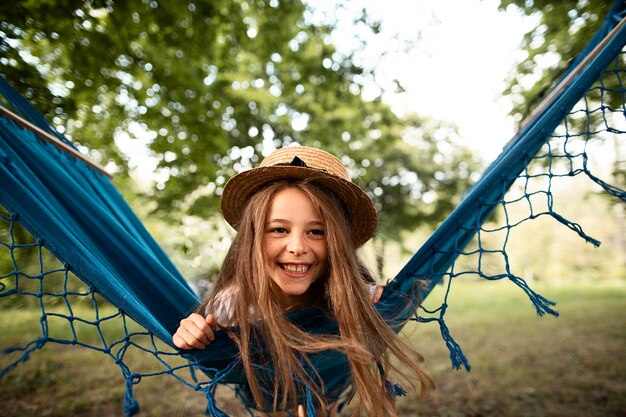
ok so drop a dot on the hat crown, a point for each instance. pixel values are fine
(312, 157)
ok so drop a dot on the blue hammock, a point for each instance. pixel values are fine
(73, 212)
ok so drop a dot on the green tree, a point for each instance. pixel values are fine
(563, 29)
(214, 83)
(415, 172)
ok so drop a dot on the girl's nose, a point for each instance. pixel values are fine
(297, 244)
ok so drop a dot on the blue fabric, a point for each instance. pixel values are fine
(85, 222)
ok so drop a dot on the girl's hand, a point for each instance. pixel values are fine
(195, 332)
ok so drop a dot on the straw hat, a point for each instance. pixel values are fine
(303, 162)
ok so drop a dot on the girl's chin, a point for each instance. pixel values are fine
(294, 292)
(294, 296)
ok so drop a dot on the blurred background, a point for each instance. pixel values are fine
(174, 97)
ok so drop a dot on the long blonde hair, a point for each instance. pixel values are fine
(366, 340)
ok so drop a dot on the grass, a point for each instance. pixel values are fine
(522, 365)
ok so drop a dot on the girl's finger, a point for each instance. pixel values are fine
(211, 321)
(197, 339)
(179, 342)
(200, 328)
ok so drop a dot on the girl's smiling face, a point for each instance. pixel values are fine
(294, 243)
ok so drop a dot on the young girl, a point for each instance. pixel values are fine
(299, 221)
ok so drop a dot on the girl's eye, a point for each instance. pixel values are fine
(317, 232)
(278, 230)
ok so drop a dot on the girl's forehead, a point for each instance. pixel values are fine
(293, 203)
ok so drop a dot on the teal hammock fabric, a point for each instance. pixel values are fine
(69, 240)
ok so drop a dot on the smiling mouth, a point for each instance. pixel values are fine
(295, 268)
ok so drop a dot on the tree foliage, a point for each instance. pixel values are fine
(215, 84)
(564, 28)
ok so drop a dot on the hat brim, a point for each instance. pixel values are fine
(362, 215)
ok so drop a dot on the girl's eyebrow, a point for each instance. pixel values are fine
(277, 221)
(285, 221)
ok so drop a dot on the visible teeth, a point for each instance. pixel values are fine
(296, 269)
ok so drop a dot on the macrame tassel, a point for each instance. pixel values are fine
(131, 406)
(456, 353)
(611, 189)
(577, 228)
(32, 346)
(542, 305)
(394, 390)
